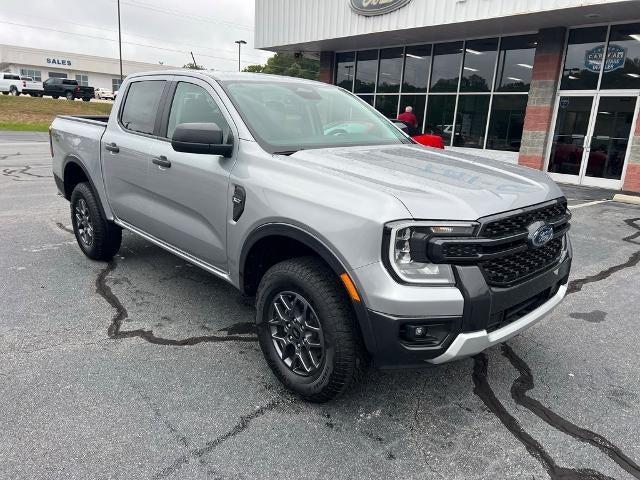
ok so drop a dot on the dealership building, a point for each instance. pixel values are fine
(550, 84)
(88, 70)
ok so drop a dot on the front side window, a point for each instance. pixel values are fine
(193, 104)
(585, 51)
(288, 116)
(141, 106)
(622, 65)
(479, 64)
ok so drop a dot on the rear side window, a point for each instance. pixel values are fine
(11, 77)
(69, 82)
(141, 106)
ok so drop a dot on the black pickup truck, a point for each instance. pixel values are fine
(63, 87)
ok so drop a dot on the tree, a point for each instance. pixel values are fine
(193, 66)
(288, 65)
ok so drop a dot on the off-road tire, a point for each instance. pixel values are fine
(344, 359)
(107, 236)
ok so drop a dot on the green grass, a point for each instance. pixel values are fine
(30, 114)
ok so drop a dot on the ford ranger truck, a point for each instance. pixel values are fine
(358, 244)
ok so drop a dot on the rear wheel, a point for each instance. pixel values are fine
(307, 330)
(69, 96)
(86, 99)
(98, 238)
(55, 97)
(13, 91)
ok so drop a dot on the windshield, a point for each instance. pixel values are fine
(285, 117)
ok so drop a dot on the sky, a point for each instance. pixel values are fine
(153, 31)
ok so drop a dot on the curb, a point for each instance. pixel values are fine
(632, 199)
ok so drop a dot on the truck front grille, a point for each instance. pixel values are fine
(518, 223)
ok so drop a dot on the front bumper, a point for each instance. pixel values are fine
(466, 319)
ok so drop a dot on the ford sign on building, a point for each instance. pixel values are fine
(503, 80)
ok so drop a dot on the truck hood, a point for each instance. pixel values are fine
(436, 184)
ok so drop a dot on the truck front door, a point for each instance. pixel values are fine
(191, 190)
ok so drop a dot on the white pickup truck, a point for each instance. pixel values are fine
(31, 87)
(10, 83)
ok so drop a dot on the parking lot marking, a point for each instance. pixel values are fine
(595, 202)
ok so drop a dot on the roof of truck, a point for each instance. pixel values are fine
(225, 76)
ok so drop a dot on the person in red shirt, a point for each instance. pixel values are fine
(409, 117)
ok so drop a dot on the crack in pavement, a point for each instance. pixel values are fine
(524, 383)
(596, 316)
(577, 284)
(114, 331)
(62, 226)
(483, 390)
(241, 426)
(15, 173)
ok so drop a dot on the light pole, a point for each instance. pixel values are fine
(240, 43)
(120, 42)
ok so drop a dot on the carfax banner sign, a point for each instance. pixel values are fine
(616, 55)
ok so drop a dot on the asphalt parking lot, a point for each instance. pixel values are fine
(148, 368)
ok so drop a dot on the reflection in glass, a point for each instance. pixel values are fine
(366, 67)
(608, 147)
(471, 121)
(479, 65)
(417, 102)
(446, 67)
(387, 105)
(507, 122)
(569, 135)
(582, 65)
(622, 68)
(367, 98)
(345, 69)
(416, 68)
(440, 110)
(390, 70)
(515, 63)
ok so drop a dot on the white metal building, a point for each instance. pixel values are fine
(550, 84)
(87, 69)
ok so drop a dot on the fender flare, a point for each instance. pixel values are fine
(76, 161)
(315, 244)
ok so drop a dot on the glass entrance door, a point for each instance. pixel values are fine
(591, 139)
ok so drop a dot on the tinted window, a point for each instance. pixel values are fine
(515, 63)
(387, 105)
(366, 67)
(390, 70)
(345, 66)
(69, 82)
(416, 68)
(417, 102)
(440, 115)
(471, 120)
(507, 122)
(192, 104)
(141, 106)
(446, 67)
(585, 51)
(622, 68)
(479, 65)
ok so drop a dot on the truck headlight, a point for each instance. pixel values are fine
(407, 250)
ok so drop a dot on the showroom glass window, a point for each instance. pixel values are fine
(390, 70)
(584, 55)
(622, 65)
(115, 84)
(479, 65)
(366, 70)
(445, 71)
(35, 74)
(417, 102)
(515, 63)
(440, 116)
(83, 80)
(387, 105)
(345, 70)
(507, 122)
(471, 121)
(416, 68)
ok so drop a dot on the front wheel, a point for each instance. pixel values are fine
(98, 238)
(69, 96)
(55, 97)
(14, 91)
(86, 99)
(307, 330)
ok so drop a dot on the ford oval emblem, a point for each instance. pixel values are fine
(376, 7)
(540, 234)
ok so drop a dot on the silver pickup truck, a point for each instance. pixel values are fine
(358, 244)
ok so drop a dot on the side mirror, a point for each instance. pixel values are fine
(204, 138)
(401, 125)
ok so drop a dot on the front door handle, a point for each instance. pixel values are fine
(161, 161)
(112, 147)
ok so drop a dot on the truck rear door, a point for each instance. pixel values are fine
(191, 191)
(125, 151)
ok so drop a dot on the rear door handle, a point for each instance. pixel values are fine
(112, 147)
(161, 161)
